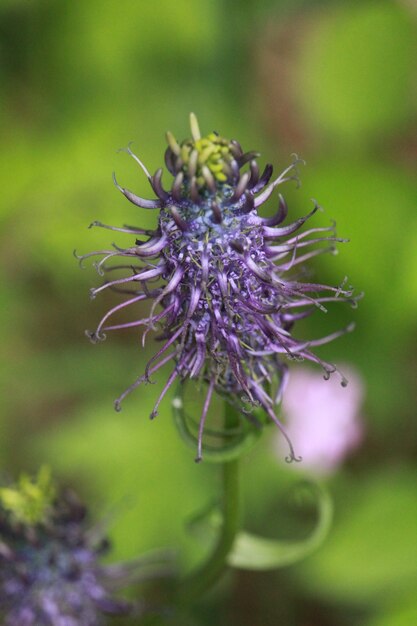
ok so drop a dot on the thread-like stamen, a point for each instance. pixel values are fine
(81, 258)
(141, 379)
(171, 378)
(285, 375)
(292, 456)
(130, 230)
(339, 333)
(143, 322)
(316, 302)
(137, 159)
(203, 417)
(100, 267)
(313, 231)
(112, 312)
(145, 275)
(282, 178)
(285, 267)
(277, 251)
(308, 287)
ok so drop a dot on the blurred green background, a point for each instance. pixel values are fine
(332, 81)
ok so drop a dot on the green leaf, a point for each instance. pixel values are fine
(257, 553)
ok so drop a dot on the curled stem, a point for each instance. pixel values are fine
(206, 575)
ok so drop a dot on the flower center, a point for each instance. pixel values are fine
(212, 152)
(203, 158)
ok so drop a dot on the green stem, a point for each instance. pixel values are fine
(203, 578)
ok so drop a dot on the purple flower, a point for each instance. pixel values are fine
(323, 418)
(50, 571)
(222, 281)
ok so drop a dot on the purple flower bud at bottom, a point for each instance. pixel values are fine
(51, 572)
(322, 418)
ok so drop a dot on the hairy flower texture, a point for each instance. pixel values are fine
(50, 573)
(225, 278)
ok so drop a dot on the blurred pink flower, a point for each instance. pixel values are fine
(323, 418)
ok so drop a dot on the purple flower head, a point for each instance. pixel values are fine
(50, 570)
(221, 281)
(323, 418)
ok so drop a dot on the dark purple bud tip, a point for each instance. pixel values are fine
(198, 459)
(176, 186)
(217, 214)
(72, 573)
(117, 406)
(182, 224)
(153, 415)
(104, 546)
(236, 246)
